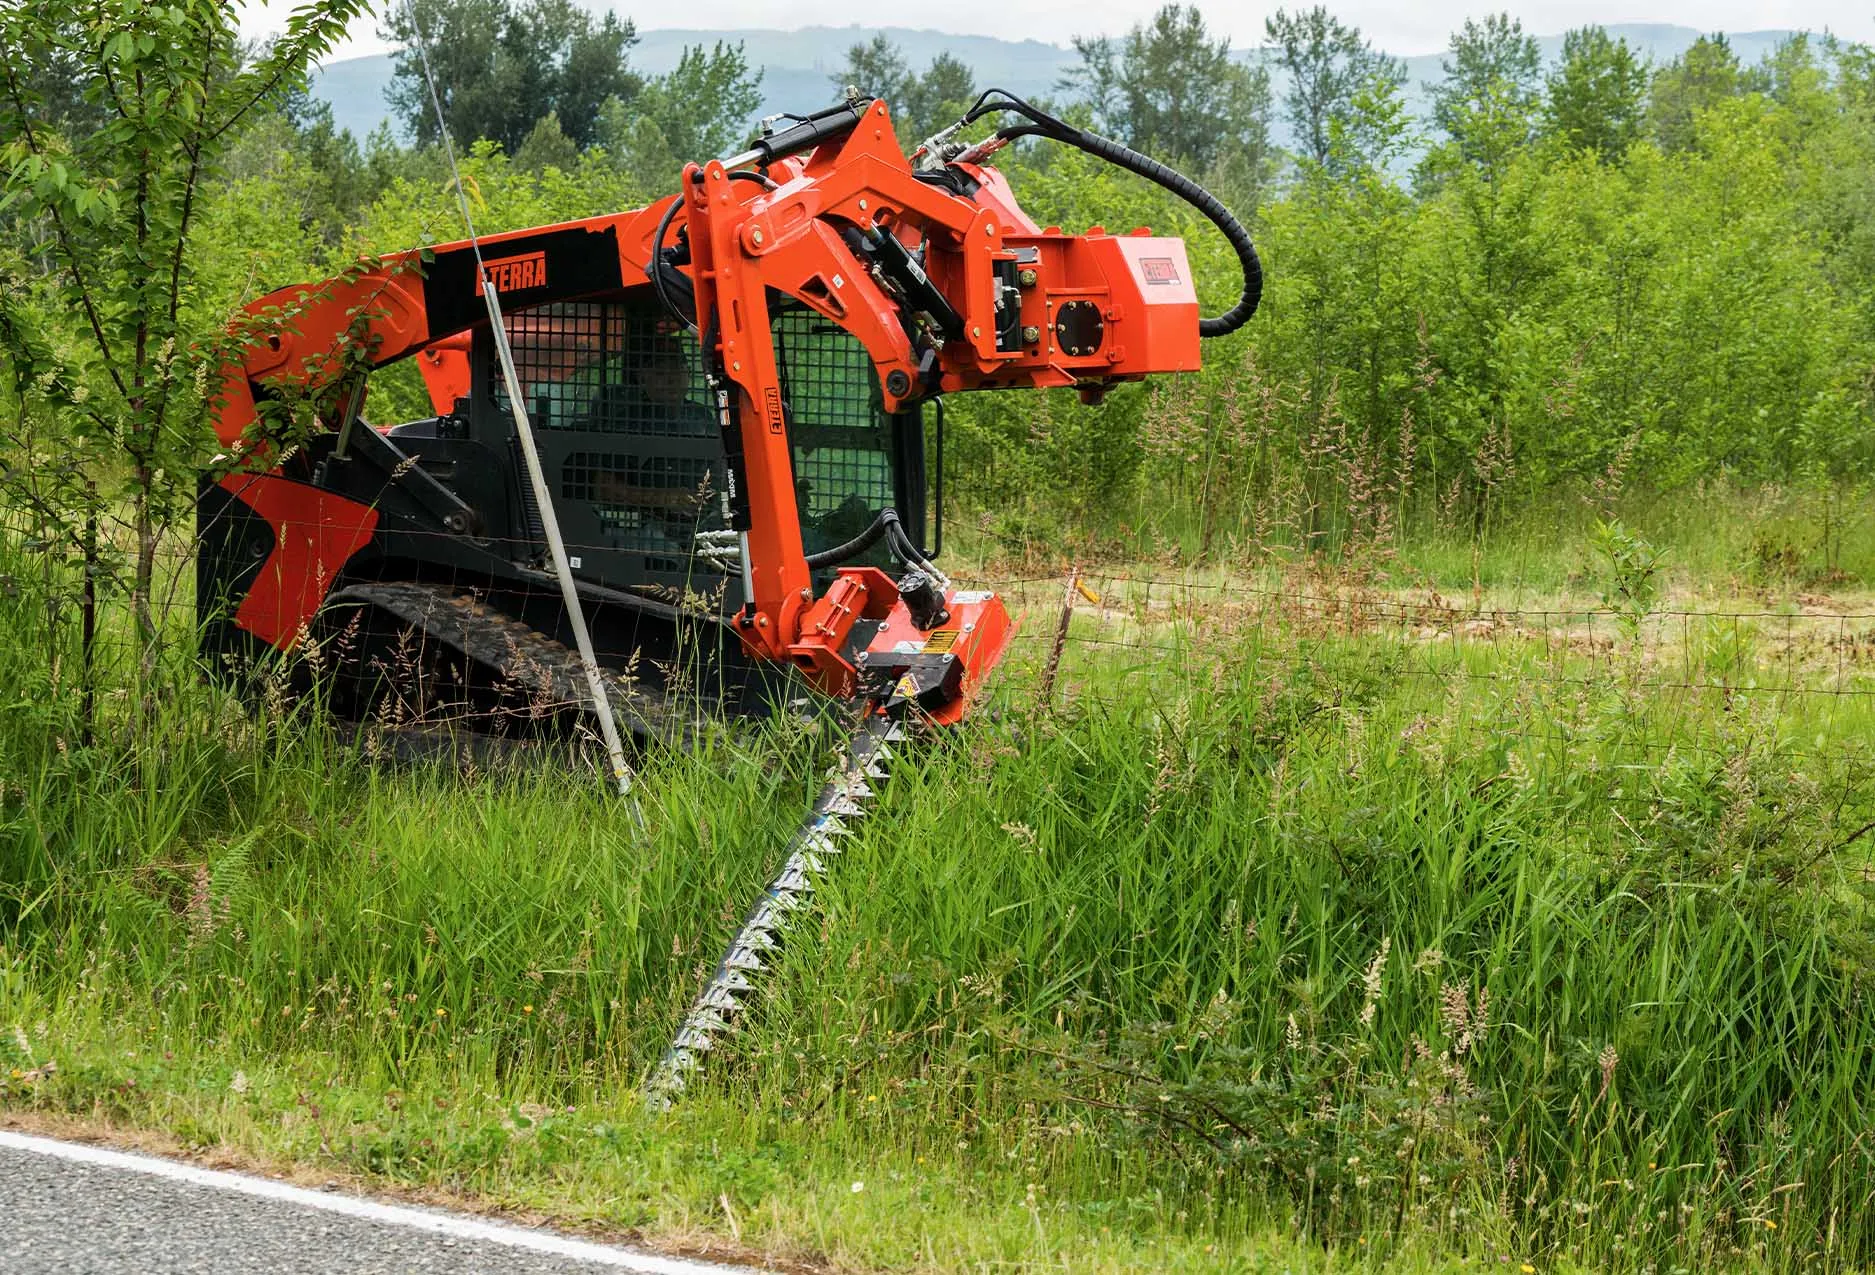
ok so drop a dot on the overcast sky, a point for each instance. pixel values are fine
(1397, 28)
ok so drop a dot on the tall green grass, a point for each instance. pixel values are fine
(1281, 948)
(1297, 942)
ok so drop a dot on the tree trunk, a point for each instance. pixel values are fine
(143, 587)
(88, 624)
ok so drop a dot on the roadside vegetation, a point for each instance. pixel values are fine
(1317, 923)
(1446, 838)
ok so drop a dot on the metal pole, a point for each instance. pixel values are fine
(556, 545)
(524, 429)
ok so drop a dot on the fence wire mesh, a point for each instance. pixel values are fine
(1678, 680)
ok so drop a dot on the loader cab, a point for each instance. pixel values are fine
(630, 441)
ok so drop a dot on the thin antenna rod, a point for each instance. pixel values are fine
(524, 429)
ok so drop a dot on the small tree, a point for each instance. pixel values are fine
(1172, 90)
(1596, 100)
(1328, 63)
(922, 102)
(113, 340)
(701, 109)
(705, 105)
(1706, 74)
(545, 146)
(877, 67)
(1494, 68)
(500, 67)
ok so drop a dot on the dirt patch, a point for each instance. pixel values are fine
(1806, 634)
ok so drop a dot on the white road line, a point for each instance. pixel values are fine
(456, 1227)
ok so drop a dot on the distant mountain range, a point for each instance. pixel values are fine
(797, 65)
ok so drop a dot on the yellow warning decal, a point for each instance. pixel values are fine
(906, 689)
(940, 641)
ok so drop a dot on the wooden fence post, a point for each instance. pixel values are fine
(1046, 694)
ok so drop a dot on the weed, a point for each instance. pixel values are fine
(1632, 567)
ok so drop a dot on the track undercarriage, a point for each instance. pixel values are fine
(419, 658)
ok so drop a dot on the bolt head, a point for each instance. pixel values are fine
(1027, 278)
(1031, 334)
(755, 236)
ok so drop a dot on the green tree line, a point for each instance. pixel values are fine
(1575, 276)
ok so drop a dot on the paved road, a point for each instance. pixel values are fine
(82, 1210)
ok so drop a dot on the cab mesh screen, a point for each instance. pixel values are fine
(610, 367)
(842, 443)
(620, 369)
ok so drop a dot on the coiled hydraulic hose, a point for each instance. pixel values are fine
(656, 270)
(1043, 124)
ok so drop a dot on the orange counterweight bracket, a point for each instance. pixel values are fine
(861, 639)
(825, 650)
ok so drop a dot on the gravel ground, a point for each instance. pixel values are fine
(79, 1218)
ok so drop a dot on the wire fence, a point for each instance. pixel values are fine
(1804, 670)
(1673, 681)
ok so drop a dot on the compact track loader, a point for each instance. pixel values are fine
(733, 396)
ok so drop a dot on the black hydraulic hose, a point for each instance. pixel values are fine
(1205, 202)
(656, 267)
(887, 519)
(888, 527)
(901, 543)
(655, 271)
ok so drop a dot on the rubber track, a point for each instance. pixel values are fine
(548, 670)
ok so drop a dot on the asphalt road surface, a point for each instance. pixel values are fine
(84, 1210)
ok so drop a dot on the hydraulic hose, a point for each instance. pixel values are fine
(888, 527)
(656, 267)
(1123, 156)
(660, 285)
(865, 540)
(1205, 202)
